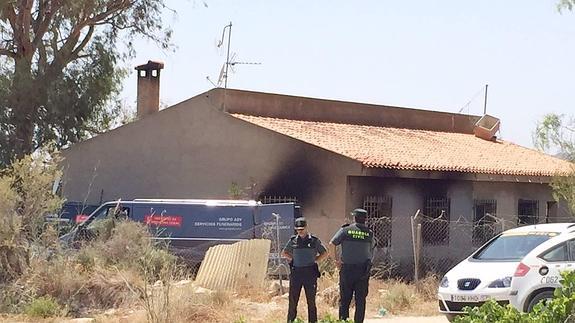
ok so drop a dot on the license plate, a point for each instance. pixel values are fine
(469, 298)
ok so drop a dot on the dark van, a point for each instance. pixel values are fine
(192, 226)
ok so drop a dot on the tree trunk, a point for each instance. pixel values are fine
(24, 108)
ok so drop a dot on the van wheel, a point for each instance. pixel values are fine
(543, 296)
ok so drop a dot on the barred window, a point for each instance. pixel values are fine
(278, 199)
(483, 221)
(527, 212)
(435, 227)
(379, 218)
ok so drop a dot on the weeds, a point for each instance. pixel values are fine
(43, 307)
(399, 297)
(25, 199)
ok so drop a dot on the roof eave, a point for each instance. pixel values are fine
(455, 175)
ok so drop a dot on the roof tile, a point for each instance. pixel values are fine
(412, 149)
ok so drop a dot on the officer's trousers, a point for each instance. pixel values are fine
(353, 279)
(305, 277)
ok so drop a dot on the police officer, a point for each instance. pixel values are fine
(303, 251)
(356, 241)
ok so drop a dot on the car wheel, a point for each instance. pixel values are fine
(451, 317)
(543, 296)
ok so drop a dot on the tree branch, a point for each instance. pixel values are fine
(10, 14)
(6, 52)
(43, 21)
(25, 14)
(43, 57)
(84, 42)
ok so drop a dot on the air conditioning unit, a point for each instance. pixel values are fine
(486, 127)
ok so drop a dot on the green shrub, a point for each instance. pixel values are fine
(330, 319)
(44, 306)
(560, 309)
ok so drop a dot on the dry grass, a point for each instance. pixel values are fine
(401, 298)
(188, 303)
(255, 294)
(107, 273)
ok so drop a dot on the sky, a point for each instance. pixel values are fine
(426, 54)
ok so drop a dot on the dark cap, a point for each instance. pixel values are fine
(300, 223)
(359, 213)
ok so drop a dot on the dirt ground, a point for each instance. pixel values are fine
(409, 319)
(401, 302)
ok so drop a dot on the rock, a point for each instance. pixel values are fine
(110, 312)
(201, 290)
(183, 282)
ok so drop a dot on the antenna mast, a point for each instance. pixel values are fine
(228, 55)
(230, 61)
(485, 101)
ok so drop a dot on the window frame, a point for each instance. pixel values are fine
(570, 244)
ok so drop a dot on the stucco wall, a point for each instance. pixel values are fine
(408, 195)
(311, 109)
(193, 150)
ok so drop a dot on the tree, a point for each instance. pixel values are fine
(556, 133)
(60, 67)
(565, 4)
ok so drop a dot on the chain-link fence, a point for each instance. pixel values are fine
(439, 243)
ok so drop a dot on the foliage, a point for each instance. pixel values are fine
(398, 297)
(235, 192)
(104, 273)
(241, 319)
(60, 67)
(560, 309)
(26, 197)
(565, 4)
(330, 319)
(43, 307)
(557, 133)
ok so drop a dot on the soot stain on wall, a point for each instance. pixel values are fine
(297, 177)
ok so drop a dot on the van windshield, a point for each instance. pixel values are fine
(512, 247)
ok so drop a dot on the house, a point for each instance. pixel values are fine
(330, 156)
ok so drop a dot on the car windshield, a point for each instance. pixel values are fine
(508, 247)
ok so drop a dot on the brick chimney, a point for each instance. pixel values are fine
(149, 88)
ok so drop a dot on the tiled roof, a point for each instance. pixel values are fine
(410, 149)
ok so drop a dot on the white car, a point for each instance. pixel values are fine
(539, 272)
(487, 273)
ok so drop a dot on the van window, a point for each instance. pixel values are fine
(511, 247)
(108, 211)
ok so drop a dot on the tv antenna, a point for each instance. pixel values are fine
(482, 91)
(230, 61)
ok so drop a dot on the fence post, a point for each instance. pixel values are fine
(418, 246)
(279, 263)
(415, 234)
